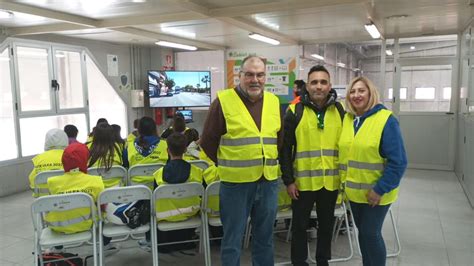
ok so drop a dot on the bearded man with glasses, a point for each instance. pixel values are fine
(241, 135)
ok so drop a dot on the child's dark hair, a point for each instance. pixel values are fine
(176, 144)
(146, 127)
(71, 131)
(179, 124)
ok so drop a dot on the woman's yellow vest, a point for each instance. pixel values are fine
(174, 210)
(316, 160)
(158, 155)
(76, 220)
(246, 153)
(114, 181)
(361, 165)
(46, 161)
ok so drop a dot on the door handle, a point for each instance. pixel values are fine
(55, 84)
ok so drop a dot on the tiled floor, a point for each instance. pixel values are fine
(435, 222)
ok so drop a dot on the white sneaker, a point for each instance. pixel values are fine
(54, 250)
(145, 245)
(110, 249)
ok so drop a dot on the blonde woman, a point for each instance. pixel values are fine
(372, 162)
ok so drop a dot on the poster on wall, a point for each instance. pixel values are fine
(281, 70)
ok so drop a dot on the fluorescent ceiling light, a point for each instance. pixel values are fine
(340, 64)
(178, 32)
(176, 45)
(356, 69)
(267, 23)
(318, 57)
(412, 47)
(373, 31)
(388, 52)
(262, 38)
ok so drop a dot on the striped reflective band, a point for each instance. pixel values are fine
(246, 163)
(240, 141)
(343, 167)
(271, 162)
(270, 141)
(247, 141)
(353, 185)
(174, 212)
(366, 166)
(317, 153)
(317, 173)
(70, 221)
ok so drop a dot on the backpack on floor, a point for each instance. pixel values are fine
(61, 259)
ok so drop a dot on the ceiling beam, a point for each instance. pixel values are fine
(241, 23)
(164, 37)
(47, 13)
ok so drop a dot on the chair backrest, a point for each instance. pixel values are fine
(178, 191)
(200, 163)
(114, 172)
(42, 179)
(124, 194)
(142, 170)
(60, 203)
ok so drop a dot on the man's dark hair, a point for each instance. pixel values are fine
(253, 56)
(318, 68)
(71, 131)
(102, 120)
(176, 144)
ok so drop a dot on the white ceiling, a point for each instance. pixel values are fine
(219, 24)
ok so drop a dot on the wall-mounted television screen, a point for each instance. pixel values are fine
(179, 88)
(187, 114)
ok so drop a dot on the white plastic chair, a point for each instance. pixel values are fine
(179, 191)
(143, 170)
(46, 238)
(200, 163)
(120, 195)
(114, 172)
(42, 179)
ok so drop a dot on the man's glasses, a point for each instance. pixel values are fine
(251, 75)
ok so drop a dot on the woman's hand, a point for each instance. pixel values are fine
(373, 198)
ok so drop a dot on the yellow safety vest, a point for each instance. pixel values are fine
(174, 210)
(114, 181)
(246, 153)
(360, 162)
(131, 138)
(76, 220)
(158, 155)
(284, 200)
(46, 161)
(316, 162)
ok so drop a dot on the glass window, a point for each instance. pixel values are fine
(104, 100)
(34, 80)
(7, 122)
(403, 93)
(427, 93)
(446, 93)
(69, 76)
(33, 130)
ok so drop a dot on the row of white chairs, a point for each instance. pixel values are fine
(47, 238)
(115, 171)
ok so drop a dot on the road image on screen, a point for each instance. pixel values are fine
(179, 88)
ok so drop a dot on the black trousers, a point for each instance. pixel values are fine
(325, 203)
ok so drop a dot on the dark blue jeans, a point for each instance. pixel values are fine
(237, 202)
(369, 221)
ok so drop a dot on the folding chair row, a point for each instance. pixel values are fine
(117, 175)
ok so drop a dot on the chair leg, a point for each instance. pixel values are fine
(351, 254)
(154, 240)
(288, 234)
(101, 245)
(397, 238)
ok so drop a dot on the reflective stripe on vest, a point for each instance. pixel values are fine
(316, 173)
(69, 222)
(316, 153)
(353, 185)
(343, 167)
(366, 166)
(174, 212)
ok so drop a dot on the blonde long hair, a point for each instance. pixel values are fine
(374, 97)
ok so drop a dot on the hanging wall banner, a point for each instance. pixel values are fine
(281, 69)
